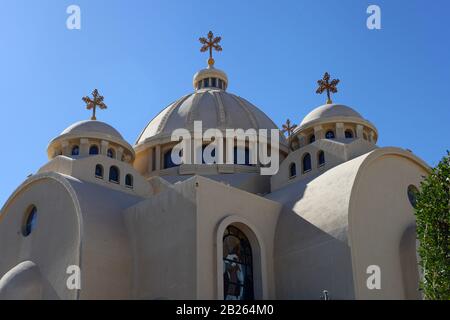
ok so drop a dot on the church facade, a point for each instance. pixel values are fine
(338, 212)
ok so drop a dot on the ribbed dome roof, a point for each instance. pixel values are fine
(330, 111)
(215, 108)
(93, 126)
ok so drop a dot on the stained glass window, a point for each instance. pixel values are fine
(237, 265)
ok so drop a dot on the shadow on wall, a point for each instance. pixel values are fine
(307, 260)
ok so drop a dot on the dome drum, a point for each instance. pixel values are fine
(91, 138)
(334, 121)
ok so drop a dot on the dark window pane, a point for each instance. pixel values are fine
(348, 134)
(238, 156)
(129, 180)
(30, 222)
(321, 158)
(75, 151)
(292, 170)
(99, 171)
(214, 82)
(307, 162)
(329, 135)
(114, 174)
(110, 153)
(168, 163)
(93, 149)
(412, 195)
(312, 138)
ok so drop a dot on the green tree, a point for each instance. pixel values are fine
(432, 217)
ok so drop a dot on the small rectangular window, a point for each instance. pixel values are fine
(214, 82)
(220, 84)
(205, 83)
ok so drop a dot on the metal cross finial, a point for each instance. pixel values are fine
(210, 44)
(97, 101)
(325, 85)
(287, 127)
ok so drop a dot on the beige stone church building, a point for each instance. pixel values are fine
(139, 226)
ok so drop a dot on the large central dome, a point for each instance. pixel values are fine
(212, 105)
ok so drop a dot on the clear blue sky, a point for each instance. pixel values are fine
(142, 55)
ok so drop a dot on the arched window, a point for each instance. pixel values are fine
(212, 154)
(111, 153)
(93, 149)
(99, 171)
(114, 174)
(306, 162)
(168, 163)
(329, 134)
(237, 265)
(312, 138)
(75, 150)
(412, 192)
(292, 170)
(348, 134)
(129, 180)
(238, 156)
(30, 221)
(321, 158)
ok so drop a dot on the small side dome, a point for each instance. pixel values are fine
(90, 137)
(93, 126)
(330, 111)
(336, 121)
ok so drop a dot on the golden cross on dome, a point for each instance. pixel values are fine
(210, 44)
(287, 127)
(326, 85)
(97, 101)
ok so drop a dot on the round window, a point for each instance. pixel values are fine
(30, 221)
(412, 195)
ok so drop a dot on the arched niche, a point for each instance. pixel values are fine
(259, 262)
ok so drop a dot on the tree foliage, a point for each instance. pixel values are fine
(432, 217)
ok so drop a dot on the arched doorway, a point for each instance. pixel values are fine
(237, 265)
